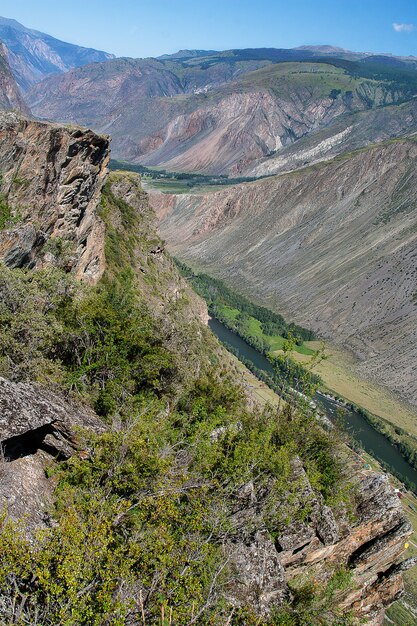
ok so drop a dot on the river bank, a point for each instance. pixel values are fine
(352, 421)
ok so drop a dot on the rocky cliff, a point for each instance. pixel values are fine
(176, 462)
(307, 549)
(51, 184)
(332, 246)
(10, 97)
(347, 133)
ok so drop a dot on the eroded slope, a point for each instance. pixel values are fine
(333, 246)
(214, 116)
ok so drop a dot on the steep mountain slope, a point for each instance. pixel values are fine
(102, 94)
(10, 96)
(222, 113)
(333, 246)
(33, 55)
(128, 446)
(345, 134)
(260, 114)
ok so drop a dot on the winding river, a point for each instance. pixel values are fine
(355, 424)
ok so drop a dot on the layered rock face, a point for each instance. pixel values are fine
(368, 544)
(331, 246)
(10, 97)
(51, 183)
(349, 132)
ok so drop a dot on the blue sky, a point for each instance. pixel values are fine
(140, 28)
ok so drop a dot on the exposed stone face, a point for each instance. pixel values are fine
(370, 546)
(26, 407)
(36, 426)
(25, 489)
(259, 575)
(52, 179)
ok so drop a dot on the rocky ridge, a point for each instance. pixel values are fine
(51, 184)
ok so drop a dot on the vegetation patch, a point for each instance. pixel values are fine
(143, 515)
(259, 326)
(179, 182)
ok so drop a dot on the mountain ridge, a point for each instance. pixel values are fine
(33, 55)
(216, 115)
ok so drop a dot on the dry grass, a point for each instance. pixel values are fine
(340, 374)
(255, 388)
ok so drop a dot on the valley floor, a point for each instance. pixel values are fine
(339, 373)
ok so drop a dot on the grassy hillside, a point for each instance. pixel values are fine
(144, 514)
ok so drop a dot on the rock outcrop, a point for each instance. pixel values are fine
(368, 544)
(51, 183)
(37, 426)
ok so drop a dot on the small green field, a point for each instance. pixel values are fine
(341, 376)
(159, 179)
(253, 328)
(176, 186)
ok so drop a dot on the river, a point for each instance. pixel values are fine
(354, 423)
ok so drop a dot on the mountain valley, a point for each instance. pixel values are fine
(334, 248)
(148, 476)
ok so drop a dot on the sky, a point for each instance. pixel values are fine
(140, 28)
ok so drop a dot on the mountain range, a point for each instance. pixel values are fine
(267, 112)
(226, 113)
(34, 55)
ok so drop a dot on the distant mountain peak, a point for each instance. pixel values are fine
(34, 55)
(324, 49)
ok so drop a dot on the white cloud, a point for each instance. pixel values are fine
(403, 28)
